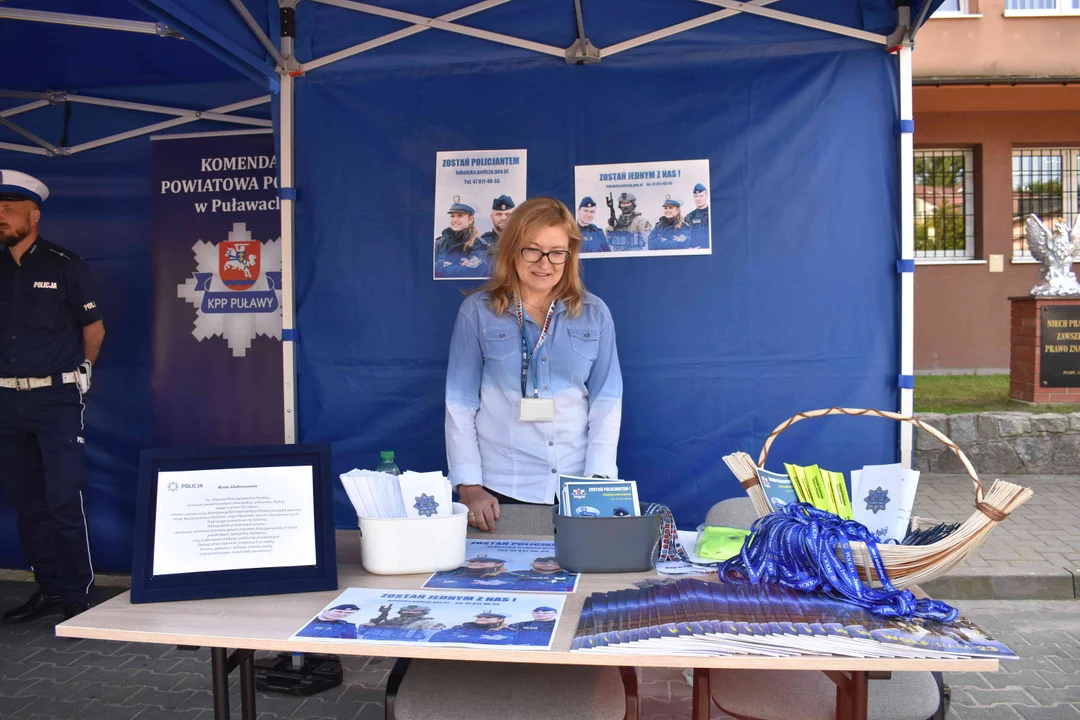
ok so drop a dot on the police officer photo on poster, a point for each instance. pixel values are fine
(476, 192)
(371, 615)
(507, 565)
(644, 209)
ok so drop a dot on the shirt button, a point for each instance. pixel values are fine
(586, 334)
(502, 335)
(550, 443)
(554, 470)
(543, 359)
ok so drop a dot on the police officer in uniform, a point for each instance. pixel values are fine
(50, 332)
(501, 210)
(594, 237)
(630, 230)
(545, 573)
(698, 219)
(536, 632)
(331, 623)
(489, 628)
(671, 231)
(459, 252)
(479, 572)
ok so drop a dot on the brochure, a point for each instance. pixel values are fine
(778, 488)
(601, 499)
(396, 617)
(507, 566)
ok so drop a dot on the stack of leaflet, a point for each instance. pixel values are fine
(884, 497)
(598, 497)
(699, 618)
(409, 495)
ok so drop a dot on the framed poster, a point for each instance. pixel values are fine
(226, 522)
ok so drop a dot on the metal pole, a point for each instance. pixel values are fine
(258, 32)
(165, 110)
(219, 672)
(288, 299)
(907, 252)
(12, 112)
(247, 685)
(28, 135)
(55, 18)
(30, 149)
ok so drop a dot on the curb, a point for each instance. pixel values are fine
(1043, 583)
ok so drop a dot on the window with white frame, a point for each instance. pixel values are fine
(1041, 7)
(1044, 184)
(945, 204)
(955, 7)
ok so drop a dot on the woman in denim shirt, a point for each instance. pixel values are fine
(520, 414)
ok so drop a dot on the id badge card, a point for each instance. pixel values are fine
(537, 410)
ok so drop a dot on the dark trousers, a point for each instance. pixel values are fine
(42, 473)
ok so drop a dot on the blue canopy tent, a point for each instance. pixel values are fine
(802, 113)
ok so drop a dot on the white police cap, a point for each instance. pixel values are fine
(15, 185)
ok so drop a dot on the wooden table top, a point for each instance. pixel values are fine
(266, 622)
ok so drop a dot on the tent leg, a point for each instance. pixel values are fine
(288, 298)
(907, 252)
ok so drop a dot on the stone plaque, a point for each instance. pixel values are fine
(1060, 340)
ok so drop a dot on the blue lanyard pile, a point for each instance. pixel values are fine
(796, 547)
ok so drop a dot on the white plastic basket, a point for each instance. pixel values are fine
(402, 546)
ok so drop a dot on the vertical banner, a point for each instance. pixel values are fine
(476, 191)
(216, 264)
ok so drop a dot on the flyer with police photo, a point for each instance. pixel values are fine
(476, 192)
(643, 209)
(463, 619)
(507, 566)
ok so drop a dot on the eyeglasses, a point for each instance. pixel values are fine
(555, 257)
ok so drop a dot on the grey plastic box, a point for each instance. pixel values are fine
(607, 544)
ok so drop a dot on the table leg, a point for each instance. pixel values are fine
(859, 695)
(219, 671)
(247, 686)
(702, 696)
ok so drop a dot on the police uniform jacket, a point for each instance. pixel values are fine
(450, 248)
(473, 633)
(595, 239)
(533, 632)
(665, 236)
(330, 629)
(45, 302)
(698, 220)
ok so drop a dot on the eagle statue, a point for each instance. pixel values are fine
(1056, 251)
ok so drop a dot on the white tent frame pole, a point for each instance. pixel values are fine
(163, 110)
(55, 18)
(399, 35)
(24, 95)
(448, 26)
(213, 133)
(907, 252)
(29, 135)
(257, 31)
(242, 105)
(794, 19)
(676, 29)
(12, 112)
(30, 149)
(286, 118)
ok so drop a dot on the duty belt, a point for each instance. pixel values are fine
(34, 383)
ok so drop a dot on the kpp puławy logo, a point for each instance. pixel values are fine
(236, 289)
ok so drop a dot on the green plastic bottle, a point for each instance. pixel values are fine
(387, 463)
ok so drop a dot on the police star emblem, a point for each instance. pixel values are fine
(425, 505)
(174, 486)
(876, 500)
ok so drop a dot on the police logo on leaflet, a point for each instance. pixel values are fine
(876, 500)
(235, 289)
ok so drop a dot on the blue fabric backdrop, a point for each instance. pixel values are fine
(796, 308)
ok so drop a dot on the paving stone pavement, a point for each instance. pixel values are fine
(1033, 554)
(48, 678)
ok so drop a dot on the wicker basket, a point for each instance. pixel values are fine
(906, 565)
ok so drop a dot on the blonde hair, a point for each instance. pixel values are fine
(528, 220)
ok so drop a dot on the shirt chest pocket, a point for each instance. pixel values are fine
(585, 341)
(500, 343)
